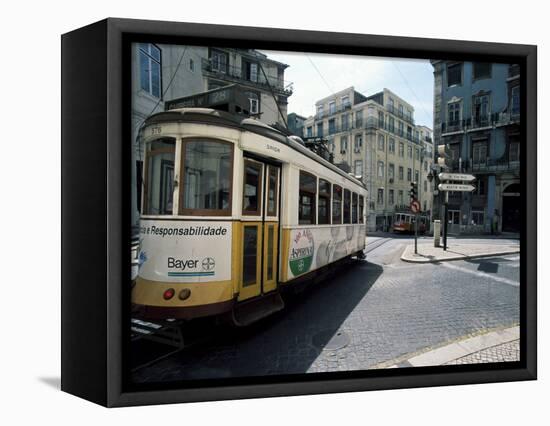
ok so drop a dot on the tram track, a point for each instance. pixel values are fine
(376, 244)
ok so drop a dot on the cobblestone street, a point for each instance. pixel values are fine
(374, 311)
(499, 353)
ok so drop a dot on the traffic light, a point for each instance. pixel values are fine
(414, 191)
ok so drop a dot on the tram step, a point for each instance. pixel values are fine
(254, 310)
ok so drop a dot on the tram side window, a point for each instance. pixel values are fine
(361, 207)
(252, 189)
(207, 176)
(159, 177)
(347, 206)
(354, 208)
(308, 194)
(272, 174)
(324, 202)
(336, 204)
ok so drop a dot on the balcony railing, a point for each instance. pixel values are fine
(488, 165)
(400, 114)
(376, 123)
(237, 74)
(481, 122)
(337, 109)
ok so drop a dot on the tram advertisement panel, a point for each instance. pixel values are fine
(175, 251)
(312, 248)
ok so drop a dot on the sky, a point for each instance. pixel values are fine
(315, 76)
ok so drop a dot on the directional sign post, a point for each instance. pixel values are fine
(457, 176)
(458, 187)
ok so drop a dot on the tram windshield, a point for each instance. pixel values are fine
(207, 176)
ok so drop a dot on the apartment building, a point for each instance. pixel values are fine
(376, 138)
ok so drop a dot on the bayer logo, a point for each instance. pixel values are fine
(208, 264)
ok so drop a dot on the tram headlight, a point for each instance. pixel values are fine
(184, 294)
(168, 293)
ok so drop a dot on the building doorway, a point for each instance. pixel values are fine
(511, 205)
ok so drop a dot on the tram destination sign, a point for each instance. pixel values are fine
(456, 187)
(457, 176)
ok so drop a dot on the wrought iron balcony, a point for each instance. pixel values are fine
(486, 165)
(238, 75)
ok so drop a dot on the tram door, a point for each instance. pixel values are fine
(260, 228)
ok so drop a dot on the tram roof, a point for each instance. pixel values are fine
(222, 118)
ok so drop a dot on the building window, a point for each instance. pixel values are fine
(331, 107)
(391, 145)
(401, 174)
(479, 152)
(380, 197)
(390, 197)
(390, 103)
(391, 171)
(380, 169)
(309, 131)
(358, 168)
(324, 202)
(401, 149)
(251, 71)
(409, 174)
(207, 176)
(331, 126)
(513, 153)
(400, 197)
(150, 68)
(320, 111)
(410, 151)
(401, 129)
(400, 109)
(482, 70)
(359, 119)
(320, 130)
(345, 122)
(515, 100)
(425, 166)
(347, 206)
(381, 142)
(480, 186)
(343, 144)
(454, 74)
(425, 187)
(219, 61)
(453, 110)
(345, 102)
(381, 119)
(336, 204)
(409, 132)
(391, 124)
(481, 110)
(477, 217)
(354, 202)
(308, 194)
(358, 143)
(417, 153)
(254, 106)
(191, 65)
(416, 177)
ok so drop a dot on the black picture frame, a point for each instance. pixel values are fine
(96, 210)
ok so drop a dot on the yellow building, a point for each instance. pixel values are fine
(375, 137)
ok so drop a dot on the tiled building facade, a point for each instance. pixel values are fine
(477, 115)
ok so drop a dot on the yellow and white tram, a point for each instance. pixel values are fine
(233, 211)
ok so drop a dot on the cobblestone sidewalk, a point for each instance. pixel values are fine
(500, 353)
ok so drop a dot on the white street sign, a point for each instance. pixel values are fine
(456, 176)
(455, 187)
